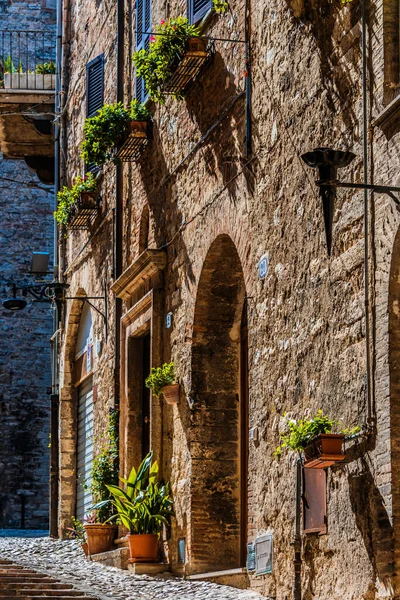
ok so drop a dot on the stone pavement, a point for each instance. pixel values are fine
(66, 561)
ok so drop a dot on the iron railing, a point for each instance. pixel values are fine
(27, 60)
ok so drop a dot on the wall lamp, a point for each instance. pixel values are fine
(44, 292)
(328, 161)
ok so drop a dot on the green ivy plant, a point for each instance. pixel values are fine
(146, 504)
(77, 532)
(299, 434)
(157, 64)
(220, 6)
(103, 131)
(160, 377)
(47, 68)
(104, 471)
(68, 197)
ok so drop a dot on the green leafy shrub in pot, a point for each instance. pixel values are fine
(47, 68)
(157, 64)
(160, 377)
(103, 131)
(299, 434)
(68, 197)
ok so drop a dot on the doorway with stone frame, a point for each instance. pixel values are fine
(219, 422)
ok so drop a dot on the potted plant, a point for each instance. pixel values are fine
(77, 532)
(100, 534)
(143, 507)
(162, 380)
(319, 439)
(109, 127)
(77, 205)
(175, 56)
(43, 78)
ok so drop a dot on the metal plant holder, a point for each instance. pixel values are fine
(328, 161)
(84, 211)
(134, 141)
(190, 64)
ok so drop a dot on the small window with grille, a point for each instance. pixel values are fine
(143, 29)
(197, 9)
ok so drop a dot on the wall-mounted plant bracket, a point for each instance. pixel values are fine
(88, 300)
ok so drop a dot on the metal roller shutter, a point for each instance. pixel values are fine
(84, 454)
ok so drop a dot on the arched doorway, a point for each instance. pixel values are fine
(218, 436)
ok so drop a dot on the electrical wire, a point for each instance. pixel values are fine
(27, 183)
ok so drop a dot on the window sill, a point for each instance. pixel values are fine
(389, 115)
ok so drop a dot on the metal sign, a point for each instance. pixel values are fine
(263, 266)
(168, 320)
(264, 554)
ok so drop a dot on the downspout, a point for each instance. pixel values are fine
(366, 211)
(247, 82)
(297, 535)
(54, 408)
(118, 204)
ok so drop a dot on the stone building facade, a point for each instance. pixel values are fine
(182, 232)
(26, 227)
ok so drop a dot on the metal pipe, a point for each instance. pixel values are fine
(247, 82)
(297, 536)
(366, 200)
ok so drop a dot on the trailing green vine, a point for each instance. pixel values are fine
(68, 197)
(220, 6)
(157, 64)
(104, 130)
(105, 470)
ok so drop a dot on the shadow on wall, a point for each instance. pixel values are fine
(373, 523)
(336, 58)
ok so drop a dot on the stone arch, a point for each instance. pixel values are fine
(68, 419)
(218, 433)
(144, 229)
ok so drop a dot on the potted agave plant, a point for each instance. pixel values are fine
(143, 508)
(319, 440)
(162, 380)
(113, 126)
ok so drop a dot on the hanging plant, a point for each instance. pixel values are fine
(67, 198)
(103, 131)
(161, 377)
(157, 64)
(221, 7)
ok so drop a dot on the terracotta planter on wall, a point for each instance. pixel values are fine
(100, 538)
(171, 393)
(143, 547)
(324, 451)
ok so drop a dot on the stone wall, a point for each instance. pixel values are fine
(26, 208)
(305, 319)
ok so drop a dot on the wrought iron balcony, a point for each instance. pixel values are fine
(27, 60)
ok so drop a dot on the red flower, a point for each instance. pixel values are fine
(162, 22)
(152, 39)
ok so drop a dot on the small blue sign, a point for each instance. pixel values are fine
(168, 320)
(263, 267)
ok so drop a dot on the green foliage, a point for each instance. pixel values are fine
(159, 377)
(300, 433)
(77, 532)
(105, 471)
(146, 504)
(220, 6)
(47, 68)
(103, 131)
(157, 64)
(67, 197)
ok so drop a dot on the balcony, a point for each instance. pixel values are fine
(27, 91)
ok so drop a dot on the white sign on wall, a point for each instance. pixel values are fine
(264, 554)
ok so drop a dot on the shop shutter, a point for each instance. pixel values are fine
(314, 501)
(143, 29)
(94, 85)
(84, 454)
(197, 9)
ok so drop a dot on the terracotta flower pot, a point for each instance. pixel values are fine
(143, 547)
(85, 548)
(324, 451)
(100, 538)
(171, 393)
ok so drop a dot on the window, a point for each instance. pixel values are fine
(143, 29)
(94, 85)
(197, 9)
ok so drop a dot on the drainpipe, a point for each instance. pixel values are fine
(366, 212)
(297, 536)
(247, 82)
(118, 203)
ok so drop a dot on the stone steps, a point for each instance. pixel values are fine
(19, 582)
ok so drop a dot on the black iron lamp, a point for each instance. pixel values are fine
(45, 292)
(328, 161)
(14, 304)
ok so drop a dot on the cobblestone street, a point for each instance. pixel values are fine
(65, 561)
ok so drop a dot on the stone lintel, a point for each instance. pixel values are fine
(141, 270)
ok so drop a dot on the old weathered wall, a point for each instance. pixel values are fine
(306, 331)
(26, 226)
